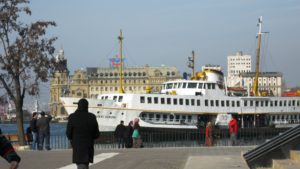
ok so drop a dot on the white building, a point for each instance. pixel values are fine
(237, 64)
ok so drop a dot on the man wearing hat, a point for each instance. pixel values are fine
(82, 130)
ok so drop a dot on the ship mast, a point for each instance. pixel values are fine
(121, 63)
(255, 83)
(191, 64)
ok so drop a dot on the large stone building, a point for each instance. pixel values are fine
(270, 82)
(93, 81)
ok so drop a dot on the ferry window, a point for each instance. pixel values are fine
(280, 103)
(120, 98)
(208, 85)
(245, 103)
(298, 102)
(169, 85)
(284, 103)
(237, 103)
(227, 103)
(157, 117)
(168, 100)
(106, 97)
(192, 102)
(181, 101)
(115, 98)
(183, 85)
(273, 118)
(192, 85)
(213, 86)
(171, 117)
(151, 116)
(175, 101)
(177, 117)
(162, 100)
(175, 85)
(204, 85)
(275, 102)
(211, 103)
(198, 102)
(266, 103)
(293, 102)
(189, 118)
(217, 103)
(179, 85)
(149, 99)
(144, 116)
(165, 117)
(290, 103)
(251, 102)
(271, 103)
(200, 85)
(262, 104)
(256, 103)
(187, 102)
(206, 102)
(222, 103)
(232, 103)
(155, 100)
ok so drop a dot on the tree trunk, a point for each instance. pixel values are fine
(20, 127)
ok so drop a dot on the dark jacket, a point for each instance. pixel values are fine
(7, 151)
(42, 124)
(82, 130)
(120, 131)
(33, 125)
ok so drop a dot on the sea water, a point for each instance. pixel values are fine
(56, 129)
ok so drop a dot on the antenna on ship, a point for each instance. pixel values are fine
(121, 63)
(191, 64)
(255, 84)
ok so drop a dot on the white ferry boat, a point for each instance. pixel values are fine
(188, 104)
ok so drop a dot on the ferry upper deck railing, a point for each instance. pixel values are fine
(276, 148)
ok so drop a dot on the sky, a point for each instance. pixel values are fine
(164, 32)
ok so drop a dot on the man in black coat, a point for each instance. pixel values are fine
(43, 126)
(120, 133)
(82, 130)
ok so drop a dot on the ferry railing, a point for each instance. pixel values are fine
(180, 138)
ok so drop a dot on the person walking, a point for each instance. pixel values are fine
(82, 130)
(233, 130)
(128, 137)
(43, 126)
(8, 153)
(34, 131)
(136, 135)
(209, 134)
(120, 134)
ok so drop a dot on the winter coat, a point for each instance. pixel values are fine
(42, 124)
(120, 131)
(82, 130)
(7, 151)
(33, 126)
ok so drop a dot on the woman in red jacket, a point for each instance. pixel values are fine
(233, 130)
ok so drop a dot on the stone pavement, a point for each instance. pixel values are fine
(145, 158)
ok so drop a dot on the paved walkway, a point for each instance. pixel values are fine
(146, 158)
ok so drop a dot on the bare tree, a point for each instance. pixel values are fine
(25, 55)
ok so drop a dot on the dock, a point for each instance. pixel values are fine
(150, 158)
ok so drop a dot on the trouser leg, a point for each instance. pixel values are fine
(47, 141)
(82, 166)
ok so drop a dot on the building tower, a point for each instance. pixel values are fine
(237, 64)
(59, 85)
